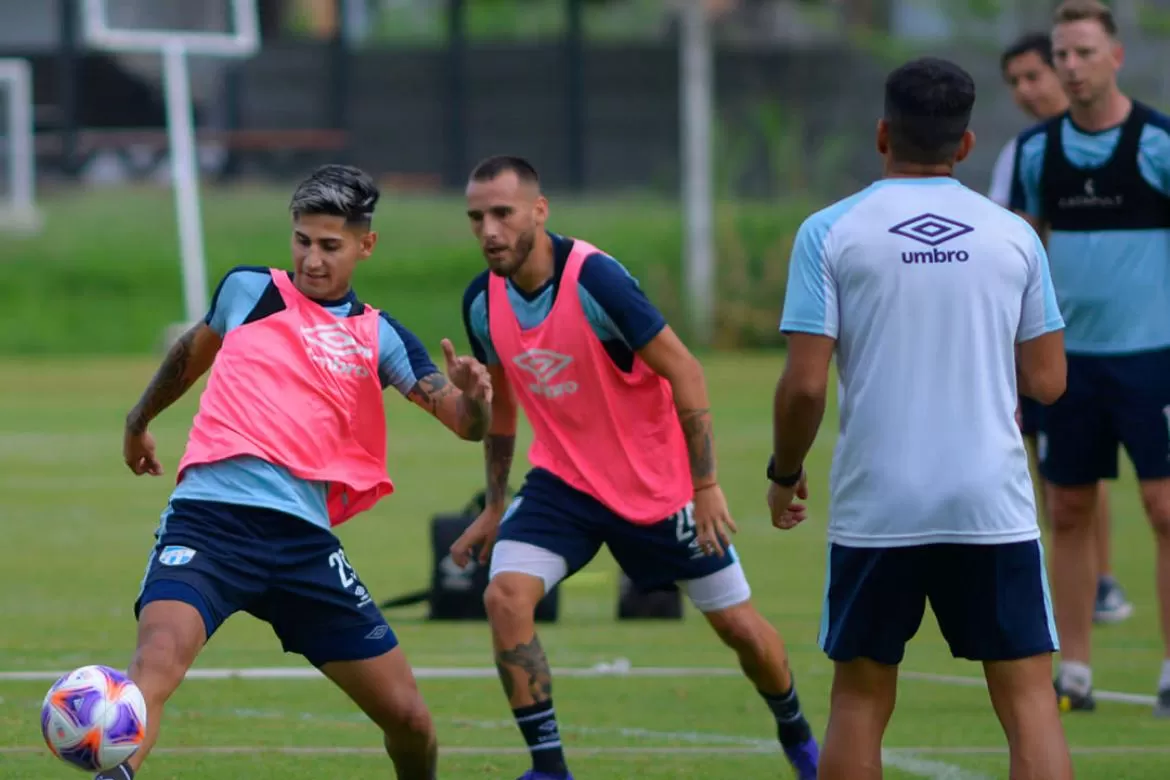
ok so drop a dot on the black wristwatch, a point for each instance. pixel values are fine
(783, 480)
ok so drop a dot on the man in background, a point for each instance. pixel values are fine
(1028, 69)
(1098, 181)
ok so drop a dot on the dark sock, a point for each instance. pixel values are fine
(791, 726)
(538, 724)
(120, 772)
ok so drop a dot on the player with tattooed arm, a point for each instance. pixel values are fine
(290, 441)
(623, 456)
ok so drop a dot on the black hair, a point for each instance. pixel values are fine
(500, 164)
(1038, 42)
(337, 191)
(928, 107)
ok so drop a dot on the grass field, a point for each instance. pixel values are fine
(108, 262)
(78, 528)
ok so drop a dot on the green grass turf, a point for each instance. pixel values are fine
(103, 277)
(78, 528)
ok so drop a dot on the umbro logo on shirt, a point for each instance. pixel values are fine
(933, 230)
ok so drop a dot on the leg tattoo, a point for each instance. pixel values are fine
(530, 659)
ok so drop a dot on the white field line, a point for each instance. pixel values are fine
(423, 673)
(619, 668)
(908, 760)
(977, 682)
(714, 750)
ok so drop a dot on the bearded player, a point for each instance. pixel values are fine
(289, 442)
(623, 456)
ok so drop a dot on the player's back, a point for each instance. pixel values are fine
(928, 282)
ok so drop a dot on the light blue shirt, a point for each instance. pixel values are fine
(1114, 285)
(619, 313)
(402, 361)
(927, 287)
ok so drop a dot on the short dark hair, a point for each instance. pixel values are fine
(338, 191)
(1086, 10)
(1038, 42)
(928, 107)
(500, 164)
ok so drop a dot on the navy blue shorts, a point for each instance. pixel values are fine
(1111, 402)
(991, 601)
(1030, 416)
(549, 514)
(226, 558)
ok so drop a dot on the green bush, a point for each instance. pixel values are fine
(104, 277)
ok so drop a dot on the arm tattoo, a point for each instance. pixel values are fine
(167, 386)
(431, 390)
(471, 417)
(498, 450)
(696, 425)
(530, 660)
(474, 418)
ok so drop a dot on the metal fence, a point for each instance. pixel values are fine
(589, 91)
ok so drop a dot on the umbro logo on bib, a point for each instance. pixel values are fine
(544, 365)
(334, 347)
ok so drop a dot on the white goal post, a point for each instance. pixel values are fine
(175, 46)
(20, 213)
(696, 78)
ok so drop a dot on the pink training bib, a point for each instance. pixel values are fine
(612, 435)
(300, 389)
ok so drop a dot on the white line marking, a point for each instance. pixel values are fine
(978, 682)
(620, 668)
(714, 750)
(426, 673)
(931, 770)
(455, 750)
(907, 761)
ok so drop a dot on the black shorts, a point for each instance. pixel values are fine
(1111, 402)
(991, 601)
(549, 514)
(1031, 414)
(225, 558)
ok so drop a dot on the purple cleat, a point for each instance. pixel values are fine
(532, 774)
(804, 758)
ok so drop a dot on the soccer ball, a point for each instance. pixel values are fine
(94, 718)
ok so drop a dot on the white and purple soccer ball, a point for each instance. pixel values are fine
(94, 718)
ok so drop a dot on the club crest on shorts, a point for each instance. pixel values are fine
(173, 555)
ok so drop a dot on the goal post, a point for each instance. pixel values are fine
(18, 210)
(175, 46)
(696, 79)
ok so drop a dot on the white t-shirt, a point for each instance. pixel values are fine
(1000, 190)
(927, 287)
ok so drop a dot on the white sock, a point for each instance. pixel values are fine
(1164, 682)
(1076, 677)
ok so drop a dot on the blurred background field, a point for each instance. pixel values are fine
(416, 91)
(108, 267)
